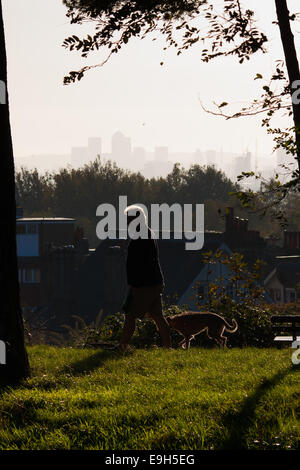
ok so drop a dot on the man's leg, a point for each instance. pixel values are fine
(156, 314)
(163, 329)
(128, 330)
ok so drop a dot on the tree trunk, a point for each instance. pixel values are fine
(15, 366)
(292, 64)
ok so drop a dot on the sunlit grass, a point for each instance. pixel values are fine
(154, 399)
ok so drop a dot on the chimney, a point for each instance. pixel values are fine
(292, 240)
(229, 219)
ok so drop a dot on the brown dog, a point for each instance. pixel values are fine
(190, 324)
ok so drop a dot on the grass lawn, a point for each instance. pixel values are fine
(154, 400)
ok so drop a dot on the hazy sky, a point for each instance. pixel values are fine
(153, 104)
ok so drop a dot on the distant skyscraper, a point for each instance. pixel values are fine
(211, 157)
(121, 149)
(94, 147)
(161, 154)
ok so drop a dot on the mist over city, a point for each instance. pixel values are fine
(158, 162)
(154, 106)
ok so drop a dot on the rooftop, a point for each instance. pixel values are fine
(45, 219)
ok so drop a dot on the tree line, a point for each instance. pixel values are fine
(77, 193)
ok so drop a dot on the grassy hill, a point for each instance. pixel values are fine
(154, 399)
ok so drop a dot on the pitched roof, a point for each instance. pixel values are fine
(289, 274)
(181, 266)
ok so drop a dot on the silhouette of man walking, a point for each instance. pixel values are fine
(144, 278)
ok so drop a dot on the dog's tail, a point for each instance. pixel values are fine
(231, 328)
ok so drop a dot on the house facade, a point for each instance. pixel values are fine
(198, 290)
(36, 239)
(283, 282)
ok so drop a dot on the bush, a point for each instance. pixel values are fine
(254, 328)
(253, 318)
(254, 322)
(246, 304)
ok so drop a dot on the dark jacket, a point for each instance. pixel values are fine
(143, 267)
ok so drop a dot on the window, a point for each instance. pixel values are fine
(31, 228)
(292, 296)
(277, 295)
(27, 275)
(36, 275)
(31, 275)
(26, 228)
(21, 229)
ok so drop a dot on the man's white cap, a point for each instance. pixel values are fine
(134, 210)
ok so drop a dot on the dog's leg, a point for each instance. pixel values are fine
(216, 336)
(185, 343)
(219, 341)
(224, 339)
(210, 334)
(188, 342)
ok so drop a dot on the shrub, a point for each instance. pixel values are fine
(254, 322)
(246, 304)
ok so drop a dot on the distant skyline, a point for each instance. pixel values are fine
(159, 161)
(157, 106)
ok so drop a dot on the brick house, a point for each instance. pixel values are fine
(36, 238)
(50, 251)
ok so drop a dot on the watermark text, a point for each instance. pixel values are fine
(176, 221)
(2, 92)
(2, 352)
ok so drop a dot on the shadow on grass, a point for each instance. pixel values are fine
(7, 385)
(92, 362)
(239, 423)
(4, 388)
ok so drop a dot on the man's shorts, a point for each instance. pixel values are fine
(144, 300)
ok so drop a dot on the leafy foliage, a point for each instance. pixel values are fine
(82, 335)
(107, 331)
(227, 30)
(183, 23)
(77, 193)
(240, 296)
